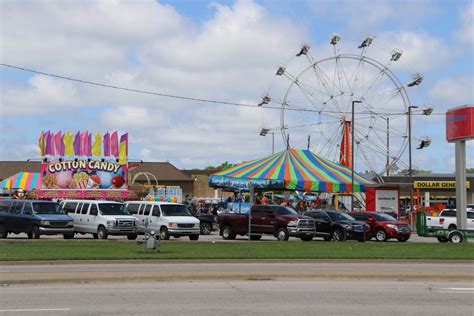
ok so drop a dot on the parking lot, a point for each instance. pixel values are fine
(214, 237)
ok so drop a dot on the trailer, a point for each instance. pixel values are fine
(454, 236)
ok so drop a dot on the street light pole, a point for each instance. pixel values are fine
(388, 146)
(410, 172)
(352, 153)
(273, 143)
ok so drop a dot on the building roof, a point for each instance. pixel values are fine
(10, 168)
(163, 171)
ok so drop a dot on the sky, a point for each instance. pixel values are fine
(219, 50)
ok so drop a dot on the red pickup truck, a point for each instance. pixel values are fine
(280, 221)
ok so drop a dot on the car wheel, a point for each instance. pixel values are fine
(228, 233)
(442, 239)
(3, 232)
(164, 234)
(68, 236)
(255, 237)
(452, 227)
(380, 235)
(339, 235)
(455, 237)
(306, 238)
(35, 233)
(132, 236)
(102, 233)
(282, 234)
(193, 237)
(95, 236)
(402, 239)
(206, 228)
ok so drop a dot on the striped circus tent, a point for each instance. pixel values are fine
(292, 169)
(23, 180)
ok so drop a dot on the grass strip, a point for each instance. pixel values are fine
(24, 250)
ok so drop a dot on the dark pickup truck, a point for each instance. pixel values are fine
(280, 221)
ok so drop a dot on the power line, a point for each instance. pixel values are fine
(173, 96)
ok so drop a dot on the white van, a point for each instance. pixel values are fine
(101, 218)
(169, 219)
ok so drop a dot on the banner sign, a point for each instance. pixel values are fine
(386, 200)
(437, 184)
(460, 123)
(244, 184)
(83, 175)
(84, 194)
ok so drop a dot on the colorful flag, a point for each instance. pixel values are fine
(114, 144)
(77, 144)
(123, 153)
(68, 144)
(97, 145)
(84, 140)
(49, 143)
(89, 144)
(107, 144)
(58, 144)
(41, 144)
(124, 138)
(123, 149)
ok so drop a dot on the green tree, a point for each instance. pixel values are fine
(469, 170)
(223, 166)
(404, 172)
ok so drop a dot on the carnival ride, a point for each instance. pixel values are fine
(350, 107)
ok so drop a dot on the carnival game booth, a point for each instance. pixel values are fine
(27, 181)
(290, 170)
(80, 166)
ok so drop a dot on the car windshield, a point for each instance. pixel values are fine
(242, 208)
(113, 209)
(175, 210)
(384, 217)
(286, 211)
(47, 208)
(336, 216)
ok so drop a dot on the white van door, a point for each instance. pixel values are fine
(78, 223)
(147, 220)
(93, 218)
(85, 218)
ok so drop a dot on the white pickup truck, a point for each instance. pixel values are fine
(447, 220)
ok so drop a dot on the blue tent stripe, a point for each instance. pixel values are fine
(34, 181)
(281, 174)
(18, 180)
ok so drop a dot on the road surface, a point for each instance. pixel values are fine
(130, 271)
(227, 297)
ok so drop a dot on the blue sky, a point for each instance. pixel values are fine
(220, 50)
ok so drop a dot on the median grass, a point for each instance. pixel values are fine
(24, 250)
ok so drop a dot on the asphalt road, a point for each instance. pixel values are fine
(224, 297)
(184, 270)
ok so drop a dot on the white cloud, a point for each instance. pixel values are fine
(466, 32)
(41, 94)
(453, 91)
(363, 15)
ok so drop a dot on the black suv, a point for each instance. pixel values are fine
(338, 226)
(207, 222)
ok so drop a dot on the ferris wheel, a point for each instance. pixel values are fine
(349, 103)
